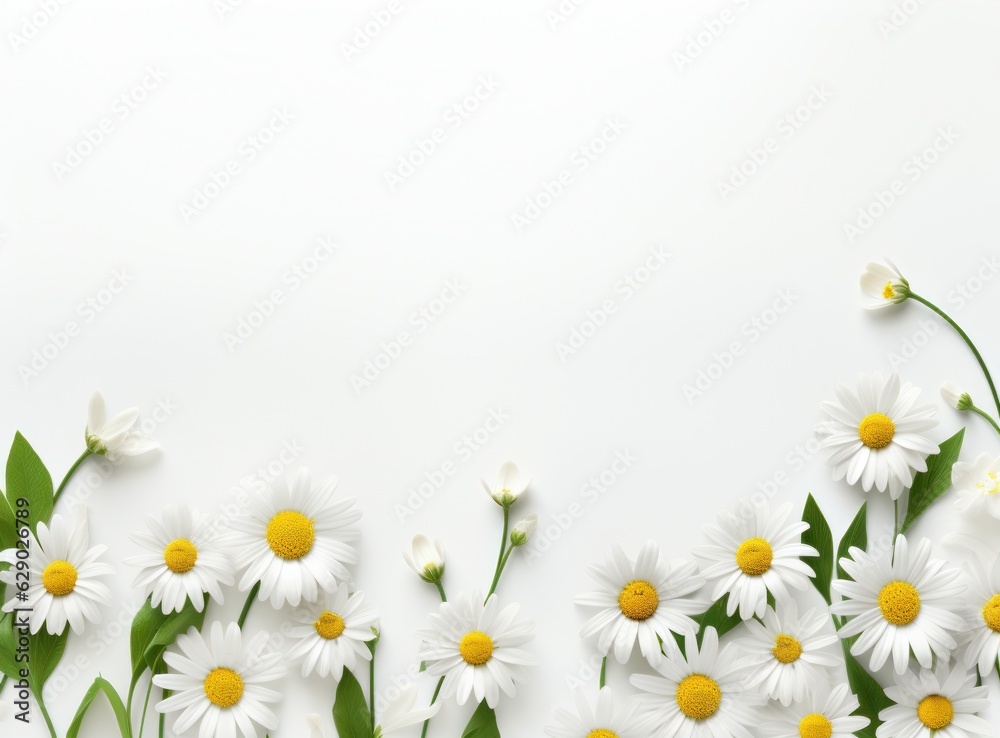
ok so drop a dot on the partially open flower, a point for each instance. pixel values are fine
(116, 437)
(508, 486)
(884, 285)
(426, 558)
(955, 397)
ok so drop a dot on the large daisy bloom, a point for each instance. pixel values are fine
(294, 540)
(644, 601)
(701, 696)
(943, 703)
(477, 648)
(219, 683)
(822, 714)
(788, 651)
(874, 433)
(898, 603)
(185, 561)
(605, 719)
(509, 485)
(751, 556)
(983, 636)
(331, 634)
(63, 576)
(883, 285)
(977, 485)
(116, 437)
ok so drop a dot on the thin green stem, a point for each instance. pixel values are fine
(965, 337)
(989, 418)
(604, 673)
(163, 715)
(45, 714)
(72, 469)
(247, 605)
(145, 705)
(371, 690)
(503, 550)
(427, 722)
(440, 588)
(500, 568)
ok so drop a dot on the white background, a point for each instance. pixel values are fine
(888, 88)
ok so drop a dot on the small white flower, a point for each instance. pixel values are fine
(331, 634)
(426, 558)
(884, 285)
(402, 713)
(523, 530)
(977, 485)
(508, 485)
(956, 396)
(983, 636)
(825, 713)
(116, 437)
(943, 702)
(605, 719)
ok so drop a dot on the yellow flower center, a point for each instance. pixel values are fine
(990, 485)
(888, 292)
(602, 733)
(815, 726)
(935, 711)
(698, 696)
(329, 625)
(224, 687)
(754, 556)
(180, 555)
(786, 649)
(476, 648)
(638, 600)
(290, 534)
(876, 430)
(899, 602)
(991, 613)
(59, 578)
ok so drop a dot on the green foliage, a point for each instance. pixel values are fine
(819, 537)
(482, 724)
(350, 711)
(928, 486)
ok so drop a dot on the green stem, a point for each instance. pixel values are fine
(965, 337)
(371, 691)
(437, 691)
(989, 418)
(503, 550)
(45, 714)
(444, 597)
(163, 715)
(247, 604)
(604, 673)
(72, 469)
(500, 568)
(145, 705)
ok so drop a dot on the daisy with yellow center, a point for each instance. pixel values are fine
(874, 433)
(977, 485)
(982, 612)
(753, 554)
(295, 540)
(477, 648)
(883, 286)
(701, 693)
(182, 560)
(331, 634)
(823, 713)
(64, 576)
(941, 702)
(220, 684)
(644, 601)
(891, 614)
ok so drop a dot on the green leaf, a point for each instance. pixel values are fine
(8, 531)
(856, 535)
(715, 617)
(27, 477)
(46, 651)
(928, 486)
(819, 537)
(482, 724)
(145, 625)
(350, 711)
(101, 685)
(871, 697)
(173, 625)
(8, 644)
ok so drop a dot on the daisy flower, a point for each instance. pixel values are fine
(699, 696)
(295, 539)
(332, 633)
(645, 601)
(874, 433)
(788, 652)
(977, 485)
(426, 558)
(883, 285)
(63, 576)
(942, 702)
(477, 648)
(509, 485)
(184, 562)
(219, 683)
(984, 635)
(751, 556)
(116, 437)
(898, 603)
(604, 719)
(823, 714)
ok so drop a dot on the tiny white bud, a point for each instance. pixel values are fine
(955, 397)
(523, 530)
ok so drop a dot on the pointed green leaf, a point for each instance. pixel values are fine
(856, 536)
(482, 724)
(870, 694)
(8, 529)
(8, 645)
(27, 477)
(173, 625)
(46, 651)
(101, 685)
(350, 711)
(715, 617)
(928, 486)
(147, 621)
(819, 537)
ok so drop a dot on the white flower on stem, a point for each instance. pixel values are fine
(884, 285)
(523, 530)
(402, 711)
(509, 485)
(983, 636)
(605, 719)
(332, 633)
(956, 396)
(942, 703)
(116, 437)
(826, 713)
(426, 558)
(977, 485)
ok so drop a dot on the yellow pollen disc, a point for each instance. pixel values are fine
(59, 578)
(638, 600)
(224, 687)
(602, 733)
(876, 430)
(899, 602)
(935, 711)
(329, 625)
(476, 648)
(888, 292)
(698, 696)
(815, 726)
(786, 649)
(290, 534)
(991, 485)
(180, 555)
(991, 613)
(754, 556)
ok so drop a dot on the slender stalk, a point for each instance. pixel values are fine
(247, 604)
(989, 418)
(604, 673)
(503, 550)
(145, 705)
(500, 567)
(965, 337)
(440, 588)
(437, 691)
(371, 690)
(163, 715)
(45, 714)
(72, 469)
